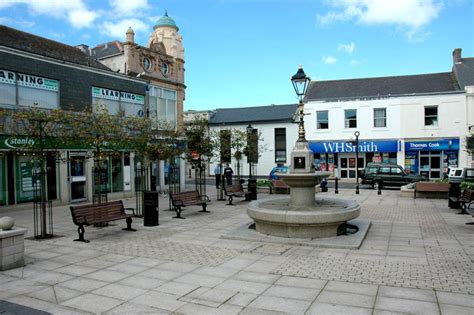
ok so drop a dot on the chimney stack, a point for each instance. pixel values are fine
(457, 55)
(84, 48)
(130, 35)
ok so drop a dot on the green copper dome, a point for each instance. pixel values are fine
(165, 20)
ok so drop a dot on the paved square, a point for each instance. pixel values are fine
(417, 257)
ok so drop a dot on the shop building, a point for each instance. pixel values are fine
(276, 130)
(48, 74)
(161, 63)
(417, 121)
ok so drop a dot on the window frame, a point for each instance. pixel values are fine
(435, 121)
(347, 121)
(321, 121)
(384, 118)
(280, 148)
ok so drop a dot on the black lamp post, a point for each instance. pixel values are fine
(300, 82)
(357, 134)
(249, 148)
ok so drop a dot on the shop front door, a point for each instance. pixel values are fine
(77, 178)
(430, 164)
(348, 165)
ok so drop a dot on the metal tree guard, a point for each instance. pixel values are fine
(173, 181)
(99, 185)
(42, 207)
(141, 185)
(200, 178)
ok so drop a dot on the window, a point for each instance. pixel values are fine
(350, 116)
(431, 115)
(322, 121)
(380, 117)
(28, 90)
(280, 145)
(163, 103)
(118, 101)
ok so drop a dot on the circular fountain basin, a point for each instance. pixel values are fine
(278, 217)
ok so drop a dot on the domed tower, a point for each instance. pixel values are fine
(166, 34)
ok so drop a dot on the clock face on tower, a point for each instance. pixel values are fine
(147, 64)
(164, 68)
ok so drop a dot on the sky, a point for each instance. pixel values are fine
(242, 53)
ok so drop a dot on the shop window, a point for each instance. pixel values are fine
(118, 101)
(322, 119)
(28, 90)
(163, 107)
(280, 145)
(350, 118)
(380, 117)
(431, 116)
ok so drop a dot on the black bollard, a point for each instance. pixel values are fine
(336, 189)
(379, 191)
(357, 189)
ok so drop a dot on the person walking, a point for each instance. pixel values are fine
(228, 172)
(217, 173)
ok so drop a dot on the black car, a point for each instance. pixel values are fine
(385, 174)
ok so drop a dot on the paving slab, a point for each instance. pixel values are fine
(417, 256)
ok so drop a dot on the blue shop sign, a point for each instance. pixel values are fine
(435, 145)
(349, 147)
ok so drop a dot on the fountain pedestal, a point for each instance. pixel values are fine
(302, 215)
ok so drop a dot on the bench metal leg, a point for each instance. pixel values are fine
(178, 213)
(129, 225)
(80, 230)
(463, 209)
(204, 206)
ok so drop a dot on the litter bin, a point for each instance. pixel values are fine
(251, 189)
(455, 177)
(150, 213)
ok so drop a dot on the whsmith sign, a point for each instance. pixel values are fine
(350, 147)
(27, 80)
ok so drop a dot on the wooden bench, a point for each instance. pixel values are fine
(278, 184)
(85, 215)
(431, 187)
(232, 191)
(187, 198)
(465, 200)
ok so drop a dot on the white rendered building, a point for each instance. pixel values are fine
(417, 121)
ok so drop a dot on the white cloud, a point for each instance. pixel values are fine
(348, 48)
(120, 28)
(128, 8)
(412, 15)
(75, 11)
(329, 60)
(21, 22)
(354, 62)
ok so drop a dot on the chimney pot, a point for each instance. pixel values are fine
(457, 55)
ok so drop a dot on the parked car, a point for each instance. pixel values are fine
(385, 174)
(278, 169)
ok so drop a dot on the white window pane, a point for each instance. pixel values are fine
(131, 109)
(43, 98)
(169, 94)
(112, 106)
(7, 94)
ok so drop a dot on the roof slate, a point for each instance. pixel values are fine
(271, 113)
(13, 38)
(383, 86)
(465, 72)
(106, 50)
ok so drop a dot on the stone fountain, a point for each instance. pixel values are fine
(302, 215)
